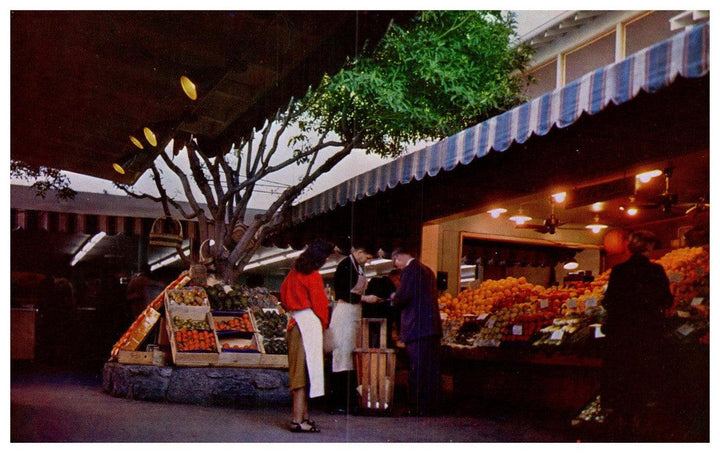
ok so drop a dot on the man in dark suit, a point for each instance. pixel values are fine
(420, 329)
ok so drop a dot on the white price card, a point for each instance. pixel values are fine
(572, 303)
(517, 330)
(543, 303)
(598, 331)
(557, 335)
(590, 302)
(685, 329)
(482, 316)
(697, 301)
(491, 322)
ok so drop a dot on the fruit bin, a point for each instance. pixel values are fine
(194, 313)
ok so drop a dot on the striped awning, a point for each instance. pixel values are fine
(686, 54)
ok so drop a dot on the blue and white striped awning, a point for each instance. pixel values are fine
(686, 54)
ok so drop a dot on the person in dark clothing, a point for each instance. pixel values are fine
(638, 293)
(420, 330)
(383, 287)
(349, 284)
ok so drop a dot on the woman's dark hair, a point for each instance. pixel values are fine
(641, 242)
(313, 257)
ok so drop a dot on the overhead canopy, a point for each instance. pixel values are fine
(649, 70)
(82, 82)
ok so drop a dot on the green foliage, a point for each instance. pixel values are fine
(447, 71)
(45, 179)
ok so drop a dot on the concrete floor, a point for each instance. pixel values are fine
(57, 405)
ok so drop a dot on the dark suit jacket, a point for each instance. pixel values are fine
(344, 280)
(417, 298)
(637, 295)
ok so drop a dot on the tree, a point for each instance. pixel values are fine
(443, 73)
(44, 179)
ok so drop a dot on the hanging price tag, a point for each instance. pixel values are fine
(543, 303)
(572, 303)
(557, 335)
(590, 302)
(517, 330)
(491, 322)
(685, 329)
(598, 331)
(482, 316)
(697, 301)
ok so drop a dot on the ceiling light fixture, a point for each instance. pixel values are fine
(496, 212)
(87, 247)
(188, 87)
(150, 136)
(597, 206)
(520, 219)
(596, 227)
(571, 264)
(136, 142)
(123, 165)
(559, 197)
(645, 177)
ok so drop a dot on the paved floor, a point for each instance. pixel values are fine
(50, 406)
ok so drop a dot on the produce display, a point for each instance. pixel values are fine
(272, 325)
(190, 296)
(249, 347)
(239, 323)
(688, 270)
(239, 298)
(190, 324)
(514, 310)
(195, 340)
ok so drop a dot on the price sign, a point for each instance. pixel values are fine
(517, 330)
(491, 322)
(557, 335)
(482, 317)
(572, 303)
(591, 302)
(598, 331)
(675, 277)
(685, 329)
(543, 303)
(697, 301)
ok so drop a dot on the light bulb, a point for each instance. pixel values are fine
(559, 197)
(645, 177)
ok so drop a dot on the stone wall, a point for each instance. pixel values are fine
(227, 386)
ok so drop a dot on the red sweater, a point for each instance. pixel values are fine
(299, 292)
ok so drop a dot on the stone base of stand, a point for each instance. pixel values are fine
(226, 386)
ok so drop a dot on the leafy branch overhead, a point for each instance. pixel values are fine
(446, 71)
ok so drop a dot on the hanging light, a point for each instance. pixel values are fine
(496, 212)
(597, 206)
(520, 219)
(559, 197)
(596, 227)
(645, 177)
(571, 264)
(631, 209)
(188, 87)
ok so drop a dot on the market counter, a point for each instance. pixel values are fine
(523, 377)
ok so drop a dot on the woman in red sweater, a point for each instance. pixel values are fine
(303, 296)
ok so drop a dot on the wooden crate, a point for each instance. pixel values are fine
(156, 357)
(185, 358)
(231, 358)
(274, 361)
(376, 378)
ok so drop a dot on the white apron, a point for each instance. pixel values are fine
(344, 325)
(312, 337)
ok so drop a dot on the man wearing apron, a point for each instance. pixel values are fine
(349, 285)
